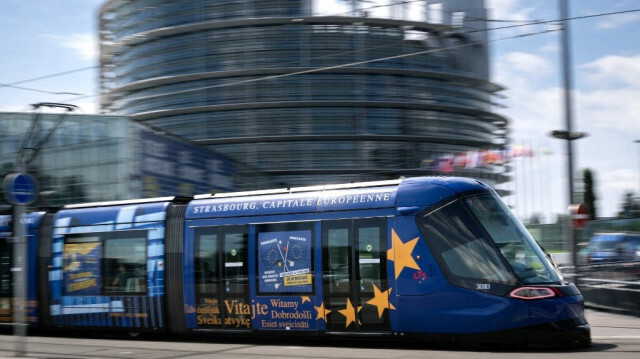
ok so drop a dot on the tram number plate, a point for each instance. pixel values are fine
(483, 286)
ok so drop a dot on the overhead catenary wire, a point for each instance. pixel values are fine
(559, 21)
(529, 23)
(327, 68)
(41, 91)
(377, 7)
(13, 84)
(50, 76)
(57, 74)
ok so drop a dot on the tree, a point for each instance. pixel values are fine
(536, 218)
(589, 193)
(629, 206)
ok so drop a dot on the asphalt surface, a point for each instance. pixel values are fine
(615, 336)
(606, 325)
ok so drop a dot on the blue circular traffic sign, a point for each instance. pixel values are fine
(20, 188)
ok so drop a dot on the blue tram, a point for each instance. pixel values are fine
(432, 258)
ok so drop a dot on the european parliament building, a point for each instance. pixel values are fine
(309, 91)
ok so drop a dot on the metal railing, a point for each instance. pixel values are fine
(612, 286)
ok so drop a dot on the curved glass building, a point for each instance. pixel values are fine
(308, 97)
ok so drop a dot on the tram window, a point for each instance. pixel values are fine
(235, 260)
(336, 252)
(206, 261)
(371, 238)
(285, 258)
(517, 246)
(105, 263)
(354, 268)
(221, 257)
(125, 262)
(221, 274)
(370, 256)
(462, 248)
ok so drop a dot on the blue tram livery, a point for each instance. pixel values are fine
(432, 258)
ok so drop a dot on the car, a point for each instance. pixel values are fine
(614, 247)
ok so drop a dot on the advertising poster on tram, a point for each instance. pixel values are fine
(82, 268)
(284, 264)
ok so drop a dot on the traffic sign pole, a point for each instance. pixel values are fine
(579, 217)
(20, 189)
(19, 268)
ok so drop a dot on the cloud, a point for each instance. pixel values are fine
(534, 98)
(613, 93)
(508, 10)
(604, 107)
(608, 113)
(85, 46)
(533, 106)
(329, 7)
(612, 22)
(619, 181)
(607, 108)
(526, 64)
(614, 70)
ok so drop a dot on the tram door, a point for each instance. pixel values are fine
(356, 296)
(6, 280)
(221, 277)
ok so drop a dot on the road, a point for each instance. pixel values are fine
(614, 337)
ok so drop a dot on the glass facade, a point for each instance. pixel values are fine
(303, 97)
(91, 158)
(84, 160)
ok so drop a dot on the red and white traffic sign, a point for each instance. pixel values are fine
(579, 215)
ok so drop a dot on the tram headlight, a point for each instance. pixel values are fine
(533, 293)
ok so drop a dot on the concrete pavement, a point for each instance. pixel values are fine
(607, 325)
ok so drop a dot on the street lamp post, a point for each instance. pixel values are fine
(568, 86)
(638, 194)
(568, 135)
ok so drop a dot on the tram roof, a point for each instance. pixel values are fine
(320, 188)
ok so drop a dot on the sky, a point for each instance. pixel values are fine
(42, 38)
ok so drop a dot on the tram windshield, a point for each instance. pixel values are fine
(480, 245)
(526, 258)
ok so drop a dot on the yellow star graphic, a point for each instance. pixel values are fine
(322, 313)
(350, 313)
(400, 253)
(381, 300)
(305, 299)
